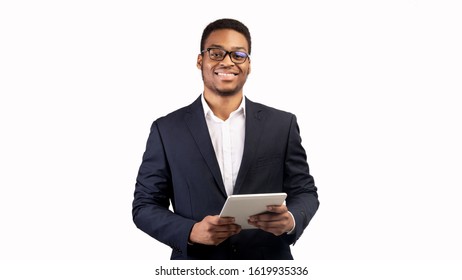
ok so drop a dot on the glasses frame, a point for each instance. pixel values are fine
(226, 53)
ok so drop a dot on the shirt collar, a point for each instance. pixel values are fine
(207, 109)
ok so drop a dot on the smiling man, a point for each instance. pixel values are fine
(224, 144)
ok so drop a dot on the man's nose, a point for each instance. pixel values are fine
(227, 60)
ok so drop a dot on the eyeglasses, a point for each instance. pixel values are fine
(219, 54)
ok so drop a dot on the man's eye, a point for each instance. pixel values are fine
(239, 55)
(217, 55)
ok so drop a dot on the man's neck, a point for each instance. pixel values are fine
(223, 106)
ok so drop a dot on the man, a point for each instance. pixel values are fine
(224, 144)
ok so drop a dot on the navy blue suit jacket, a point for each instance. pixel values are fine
(180, 166)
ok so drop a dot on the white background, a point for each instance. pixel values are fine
(375, 85)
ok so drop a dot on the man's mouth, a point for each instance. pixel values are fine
(226, 74)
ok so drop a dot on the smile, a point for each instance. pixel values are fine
(226, 74)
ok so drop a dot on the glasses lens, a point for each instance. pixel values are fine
(238, 57)
(217, 54)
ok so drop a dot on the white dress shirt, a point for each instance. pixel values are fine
(228, 141)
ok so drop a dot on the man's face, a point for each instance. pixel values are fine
(224, 77)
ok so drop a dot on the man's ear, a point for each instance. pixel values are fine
(199, 62)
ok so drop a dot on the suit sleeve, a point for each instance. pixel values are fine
(302, 197)
(153, 191)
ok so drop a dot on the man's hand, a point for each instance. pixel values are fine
(277, 220)
(213, 230)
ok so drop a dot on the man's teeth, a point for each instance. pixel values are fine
(226, 74)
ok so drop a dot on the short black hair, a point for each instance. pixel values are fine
(226, 23)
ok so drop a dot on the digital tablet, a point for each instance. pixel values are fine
(242, 206)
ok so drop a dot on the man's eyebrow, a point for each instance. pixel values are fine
(221, 47)
(216, 46)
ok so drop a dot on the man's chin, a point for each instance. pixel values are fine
(227, 93)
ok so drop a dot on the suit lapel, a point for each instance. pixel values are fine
(198, 128)
(253, 131)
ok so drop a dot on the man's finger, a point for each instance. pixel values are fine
(226, 221)
(277, 208)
